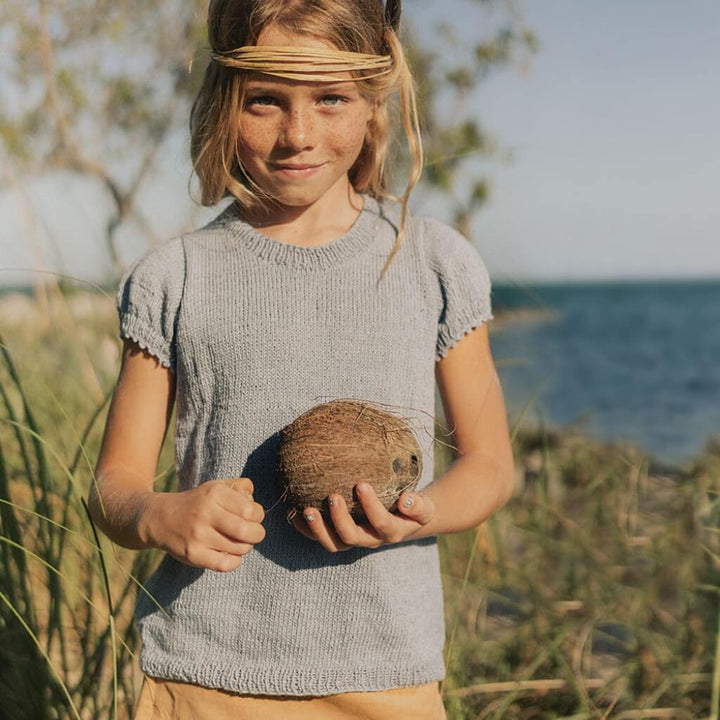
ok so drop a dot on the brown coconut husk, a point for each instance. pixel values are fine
(336, 445)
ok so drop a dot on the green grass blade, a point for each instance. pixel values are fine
(42, 469)
(50, 663)
(52, 522)
(715, 694)
(10, 525)
(526, 408)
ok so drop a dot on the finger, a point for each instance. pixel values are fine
(219, 542)
(237, 529)
(226, 562)
(210, 558)
(301, 525)
(348, 531)
(417, 507)
(242, 484)
(381, 519)
(242, 505)
(322, 532)
(249, 511)
(298, 522)
(222, 545)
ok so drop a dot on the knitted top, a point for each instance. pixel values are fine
(259, 331)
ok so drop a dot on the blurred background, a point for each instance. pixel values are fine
(576, 145)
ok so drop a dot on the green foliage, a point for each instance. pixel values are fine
(89, 59)
(455, 141)
(13, 138)
(73, 96)
(130, 103)
(96, 88)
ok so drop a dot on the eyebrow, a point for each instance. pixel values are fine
(269, 87)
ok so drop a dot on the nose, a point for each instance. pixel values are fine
(298, 130)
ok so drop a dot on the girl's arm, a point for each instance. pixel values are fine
(210, 526)
(479, 481)
(482, 478)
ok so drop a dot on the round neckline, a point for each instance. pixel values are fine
(342, 248)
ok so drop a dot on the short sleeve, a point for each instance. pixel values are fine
(464, 284)
(148, 300)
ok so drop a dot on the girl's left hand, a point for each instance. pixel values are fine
(414, 511)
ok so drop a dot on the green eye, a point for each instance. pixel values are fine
(331, 100)
(263, 100)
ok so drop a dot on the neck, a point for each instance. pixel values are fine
(318, 223)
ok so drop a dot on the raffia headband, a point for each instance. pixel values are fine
(311, 64)
(297, 63)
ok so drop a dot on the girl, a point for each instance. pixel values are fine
(308, 287)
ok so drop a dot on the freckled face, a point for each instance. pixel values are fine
(298, 140)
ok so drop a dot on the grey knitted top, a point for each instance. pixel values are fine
(258, 331)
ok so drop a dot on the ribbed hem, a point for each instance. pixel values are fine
(294, 682)
(340, 250)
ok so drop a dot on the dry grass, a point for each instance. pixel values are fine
(593, 594)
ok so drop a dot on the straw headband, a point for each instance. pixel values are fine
(298, 63)
(311, 64)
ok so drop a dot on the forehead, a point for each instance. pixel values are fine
(275, 35)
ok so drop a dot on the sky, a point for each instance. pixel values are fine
(613, 129)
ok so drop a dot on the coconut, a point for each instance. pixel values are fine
(334, 446)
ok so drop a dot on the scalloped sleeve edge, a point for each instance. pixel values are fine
(449, 338)
(134, 328)
(466, 287)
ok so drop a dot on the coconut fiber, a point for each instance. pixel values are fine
(334, 446)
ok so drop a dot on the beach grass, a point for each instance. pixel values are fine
(595, 593)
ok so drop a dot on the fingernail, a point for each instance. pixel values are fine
(310, 516)
(331, 500)
(409, 501)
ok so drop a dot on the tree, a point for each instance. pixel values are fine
(93, 88)
(454, 140)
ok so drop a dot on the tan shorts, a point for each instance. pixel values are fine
(167, 700)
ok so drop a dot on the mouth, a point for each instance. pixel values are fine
(296, 170)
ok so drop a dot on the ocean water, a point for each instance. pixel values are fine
(620, 361)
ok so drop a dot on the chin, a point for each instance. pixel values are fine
(296, 198)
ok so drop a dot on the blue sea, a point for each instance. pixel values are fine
(630, 361)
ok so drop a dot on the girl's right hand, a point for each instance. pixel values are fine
(210, 526)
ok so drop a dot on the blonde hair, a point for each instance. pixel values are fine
(357, 26)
